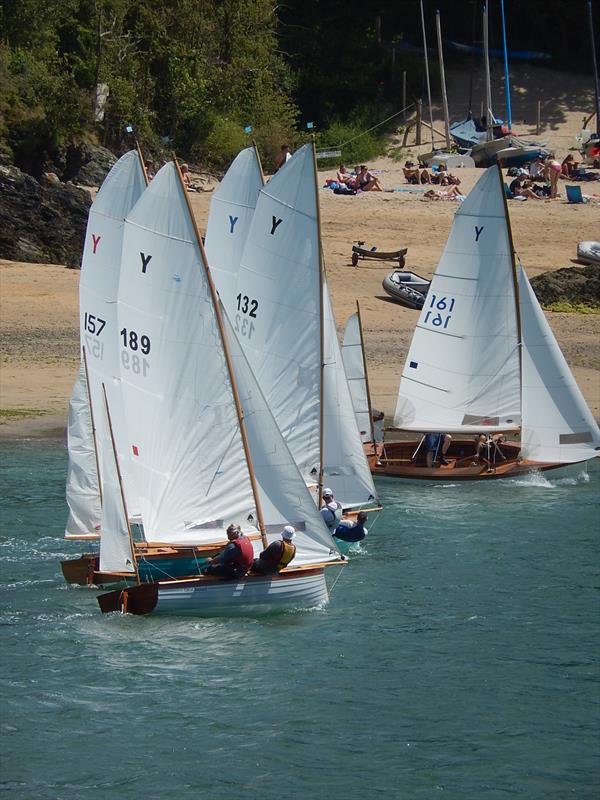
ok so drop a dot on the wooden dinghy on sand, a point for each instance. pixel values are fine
(483, 361)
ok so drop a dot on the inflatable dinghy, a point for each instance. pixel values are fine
(588, 252)
(406, 288)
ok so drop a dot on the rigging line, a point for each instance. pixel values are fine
(354, 138)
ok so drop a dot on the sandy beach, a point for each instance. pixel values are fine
(39, 302)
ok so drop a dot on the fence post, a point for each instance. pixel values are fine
(418, 128)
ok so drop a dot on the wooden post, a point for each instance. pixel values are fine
(538, 120)
(404, 96)
(443, 78)
(418, 128)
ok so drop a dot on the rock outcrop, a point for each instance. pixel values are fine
(87, 164)
(41, 222)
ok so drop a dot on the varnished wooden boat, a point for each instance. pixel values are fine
(405, 459)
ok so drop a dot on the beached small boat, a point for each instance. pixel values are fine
(483, 361)
(206, 449)
(361, 253)
(508, 151)
(588, 252)
(407, 288)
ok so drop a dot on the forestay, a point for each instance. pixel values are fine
(98, 286)
(190, 470)
(277, 320)
(283, 495)
(231, 209)
(345, 467)
(557, 424)
(462, 372)
(352, 356)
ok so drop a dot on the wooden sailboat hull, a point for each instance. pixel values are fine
(295, 589)
(153, 565)
(397, 460)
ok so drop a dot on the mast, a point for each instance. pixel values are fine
(142, 162)
(506, 77)
(488, 85)
(443, 78)
(362, 349)
(256, 153)
(116, 457)
(321, 336)
(427, 75)
(87, 384)
(595, 68)
(515, 276)
(232, 381)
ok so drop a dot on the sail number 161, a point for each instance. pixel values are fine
(437, 305)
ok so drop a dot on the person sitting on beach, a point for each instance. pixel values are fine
(235, 559)
(436, 444)
(277, 555)
(345, 177)
(366, 181)
(350, 530)
(411, 172)
(537, 169)
(522, 188)
(447, 193)
(568, 166)
(331, 510)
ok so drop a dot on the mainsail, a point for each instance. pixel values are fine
(352, 355)
(462, 372)
(345, 467)
(231, 210)
(98, 285)
(557, 423)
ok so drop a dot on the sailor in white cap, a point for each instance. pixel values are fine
(331, 510)
(277, 555)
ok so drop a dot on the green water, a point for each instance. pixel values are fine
(458, 658)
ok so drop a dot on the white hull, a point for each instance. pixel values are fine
(209, 597)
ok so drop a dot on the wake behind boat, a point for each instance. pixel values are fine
(483, 362)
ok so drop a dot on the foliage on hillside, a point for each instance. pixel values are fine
(190, 75)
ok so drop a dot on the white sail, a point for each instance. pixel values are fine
(83, 496)
(98, 286)
(189, 466)
(231, 210)
(277, 316)
(115, 543)
(355, 373)
(557, 424)
(462, 371)
(345, 467)
(283, 495)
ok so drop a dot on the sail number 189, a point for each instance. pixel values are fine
(436, 306)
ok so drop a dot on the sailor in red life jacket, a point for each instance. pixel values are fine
(277, 555)
(235, 559)
(331, 510)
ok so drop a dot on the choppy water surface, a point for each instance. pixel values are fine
(458, 658)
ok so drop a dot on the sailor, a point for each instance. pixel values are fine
(436, 444)
(277, 555)
(352, 530)
(331, 510)
(235, 559)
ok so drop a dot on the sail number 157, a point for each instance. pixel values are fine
(440, 311)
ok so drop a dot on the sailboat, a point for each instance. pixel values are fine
(483, 361)
(206, 449)
(99, 374)
(283, 317)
